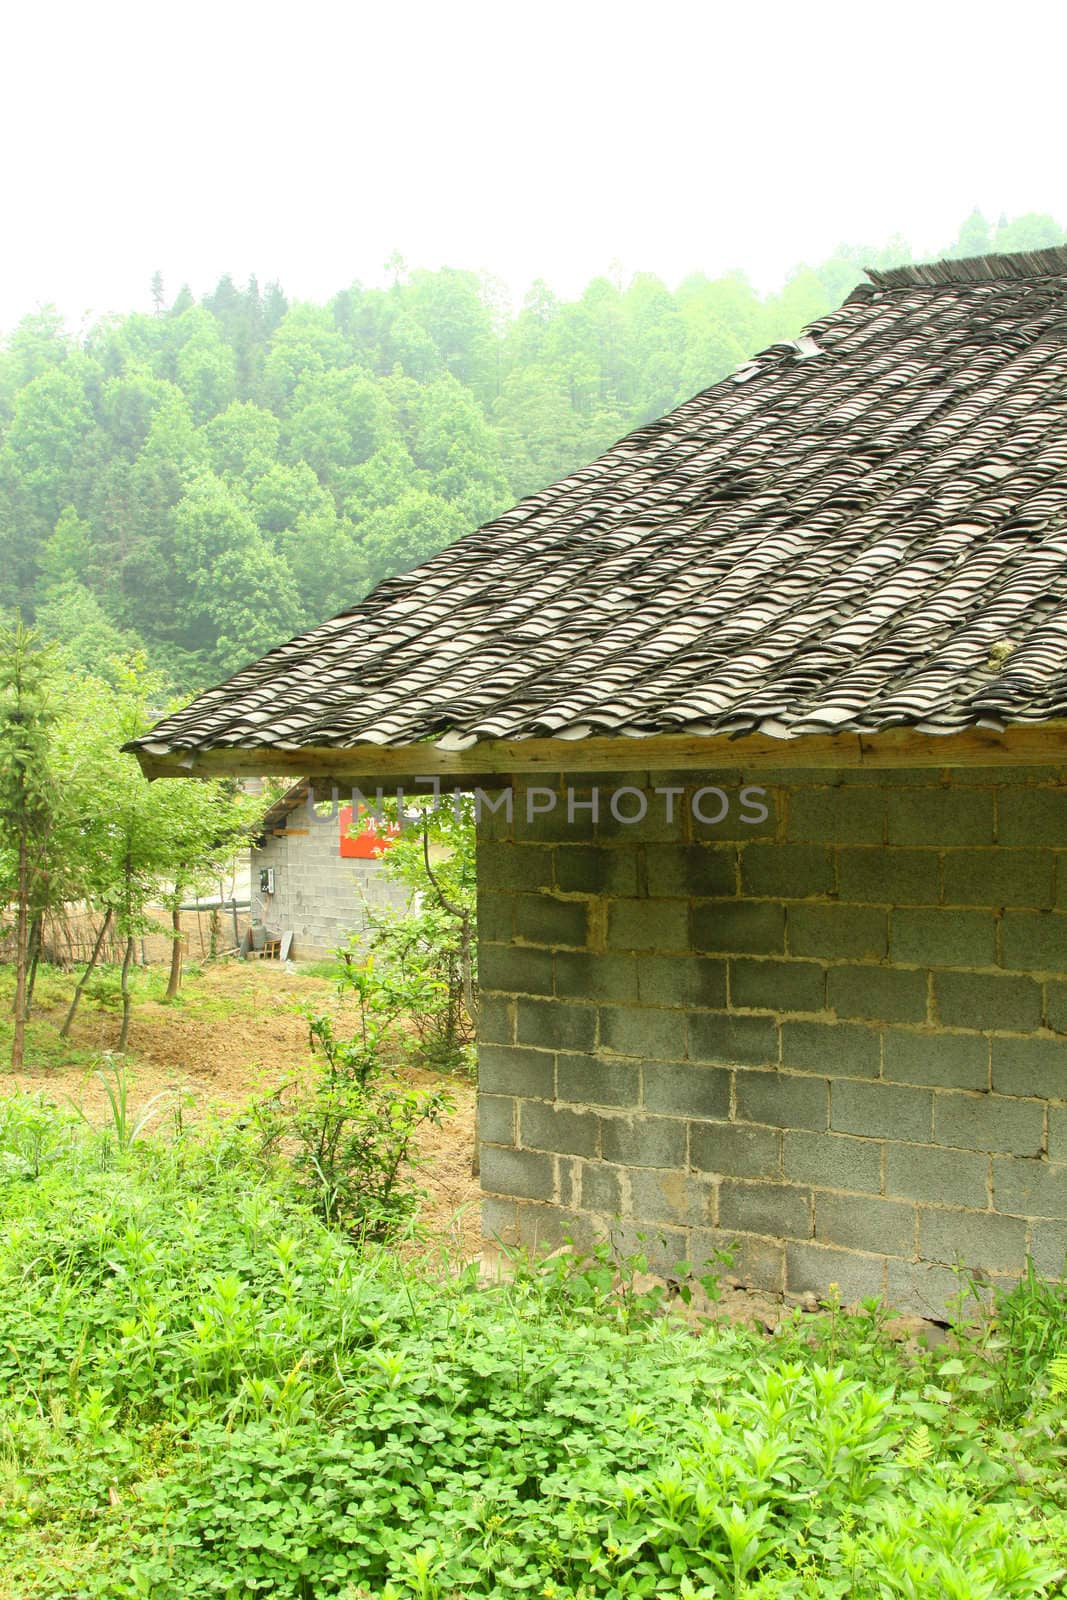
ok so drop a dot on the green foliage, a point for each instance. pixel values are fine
(350, 1124)
(205, 1390)
(428, 951)
(217, 476)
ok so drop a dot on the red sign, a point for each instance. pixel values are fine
(367, 844)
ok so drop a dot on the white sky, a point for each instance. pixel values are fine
(540, 140)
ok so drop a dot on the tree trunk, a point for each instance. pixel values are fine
(174, 982)
(124, 986)
(64, 1031)
(213, 927)
(36, 931)
(22, 934)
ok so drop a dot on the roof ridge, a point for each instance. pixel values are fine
(974, 269)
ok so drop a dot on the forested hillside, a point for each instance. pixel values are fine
(204, 479)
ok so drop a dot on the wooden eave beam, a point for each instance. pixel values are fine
(495, 762)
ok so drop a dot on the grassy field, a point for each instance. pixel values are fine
(206, 1392)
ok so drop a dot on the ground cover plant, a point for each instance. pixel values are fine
(207, 1391)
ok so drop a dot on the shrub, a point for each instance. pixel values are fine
(349, 1126)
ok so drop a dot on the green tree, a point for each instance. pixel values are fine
(27, 798)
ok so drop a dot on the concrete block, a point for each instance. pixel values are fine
(786, 871)
(884, 994)
(597, 1080)
(500, 1220)
(643, 1031)
(998, 877)
(812, 1268)
(723, 1036)
(526, 1174)
(771, 985)
(586, 869)
(1025, 1067)
(548, 1127)
(741, 822)
(862, 1222)
(513, 867)
(940, 816)
(672, 1197)
(781, 1210)
(508, 1069)
(1057, 1133)
(514, 969)
(832, 1160)
(873, 875)
(545, 1229)
(682, 1088)
(832, 1049)
(756, 1262)
(496, 916)
(781, 1100)
(662, 1248)
(937, 1176)
(1034, 941)
(942, 938)
(753, 927)
(692, 981)
(836, 816)
(729, 1150)
(1030, 1188)
(648, 925)
(595, 975)
(881, 1110)
(542, 920)
(555, 1025)
(975, 1238)
(940, 1060)
(987, 1000)
(1032, 816)
(689, 872)
(923, 1289)
(1048, 1248)
(496, 1019)
(838, 933)
(989, 1122)
(1056, 1005)
(496, 1118)
(551, 827)
(626, 822)
(601, 1188)
(643, 1141)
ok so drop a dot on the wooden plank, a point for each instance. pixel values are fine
(494, 761)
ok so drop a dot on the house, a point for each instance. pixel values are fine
(766, 711)
(310, 877)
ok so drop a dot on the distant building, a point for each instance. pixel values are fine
(310, 878)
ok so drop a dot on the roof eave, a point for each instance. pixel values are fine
(493, 761)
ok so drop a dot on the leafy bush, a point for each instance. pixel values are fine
(431, 948)
(204, 1391)
(348, 1124)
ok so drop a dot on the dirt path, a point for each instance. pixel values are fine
(237, 1033)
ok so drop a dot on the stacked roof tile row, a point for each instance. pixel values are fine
(860, 529)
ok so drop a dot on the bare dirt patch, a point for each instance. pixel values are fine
(236, 1033)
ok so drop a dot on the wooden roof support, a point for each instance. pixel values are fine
(494, 762)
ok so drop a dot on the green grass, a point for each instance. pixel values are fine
(205, 1392)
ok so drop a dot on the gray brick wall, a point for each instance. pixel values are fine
(320, 895)
(836, 1040)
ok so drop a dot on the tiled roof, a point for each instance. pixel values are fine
(861, 529)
